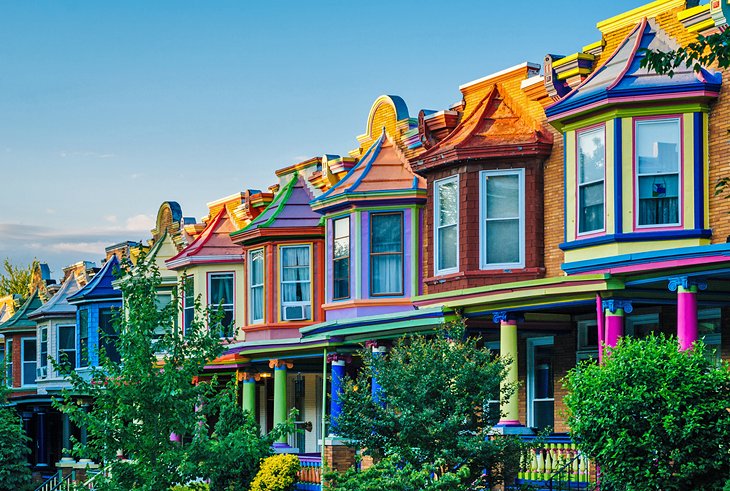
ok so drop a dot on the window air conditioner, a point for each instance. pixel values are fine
(294, 312)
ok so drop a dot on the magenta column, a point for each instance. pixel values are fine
(686, 288)
(615, 309)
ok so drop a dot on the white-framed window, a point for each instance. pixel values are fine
(386, 253)
(658, 184)
(28, 360)
(540, 383)
(188, 302)
(83, 338)
(255, 286)
(591, 179)
(493, 408)
(42, 371)
(221, 294)
(66, 344)
(446, 225)
(641, 325)
(587, 346)
(341, 258)
(8, 362)
(295, 273)
(709, 329)
(502, 224)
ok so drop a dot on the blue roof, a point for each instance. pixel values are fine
(100, 287)
(621, 75)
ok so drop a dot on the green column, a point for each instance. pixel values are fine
(510, 409)
(249, 394)
(280, 395)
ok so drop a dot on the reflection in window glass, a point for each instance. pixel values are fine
(447, 224)
(386, 254)
(657, 154)
(341, 260)
(591, 176)
(502, 220)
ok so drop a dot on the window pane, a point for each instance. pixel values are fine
(447, 199)
(255, 284)
(295, 282)
(257, 303)
(591, 207)
(257, 268)
(503, 196)
(659, 199)
(108, 335)
(447, 249)
(341, 277)
(29, 350)
(342, 227)
(503, 241)
(657, 146)
(591, 155)
(386, 231)
(221, 289)
(387, 274)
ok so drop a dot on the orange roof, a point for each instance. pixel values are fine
(213, 245)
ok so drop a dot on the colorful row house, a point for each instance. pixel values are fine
(555, 207)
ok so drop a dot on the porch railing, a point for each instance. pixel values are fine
(50, 483)
(310, 474)
(557, 464)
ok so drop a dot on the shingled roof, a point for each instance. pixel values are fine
(20, 320)
(212, 245)
(57, 305)
(100, 287)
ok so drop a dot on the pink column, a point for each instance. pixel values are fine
(615, 309)
(686, 289)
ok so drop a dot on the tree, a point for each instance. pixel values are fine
(14, 450)
(435, 391)
(16, 279)
(138, 403)
(652, 417)
(705, 51)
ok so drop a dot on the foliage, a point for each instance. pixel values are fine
(137, 404)
(193, 486)
(16, 279)
(14, 450)
(653, 417)
(278, 473)
(434, 413)
(231, 455)
(705, 51)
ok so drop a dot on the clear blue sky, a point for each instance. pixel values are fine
(109, 108)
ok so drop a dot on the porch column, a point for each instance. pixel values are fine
(248, 395)
(686, 289)
(509, 409)
(614, 309)
(338, 373)
(66, 438)
(83, 433)
(42, 457)
(378, 350)
(279, 393)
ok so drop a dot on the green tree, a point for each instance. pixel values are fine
(705, 51)
(14, 450)
(652, 417)
(16, 279)
(435, 390)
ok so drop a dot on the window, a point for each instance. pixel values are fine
(640, 326)
(256, 286)
(386, 253)
(446, 220)
(493, 408)
(587, 340)
(657, 151)
(67, 345)
(540, 386)
(295, 277)
(83, 338)
(42, 371)
(2, 361)
(591, 180)
(162, 302)
(188, 303)
(502, 219)
(220, 294)
(709, 330)
(108, 335)
(28, 358)
(9, 362)
(341, 259)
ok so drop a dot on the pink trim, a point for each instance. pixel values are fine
(597, 233)
(509, 422)
(629, 62)
(660, 265)
(614, 100)
(614, 329)
(687, 331)
(634, 168)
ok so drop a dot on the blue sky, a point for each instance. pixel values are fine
(109, 108)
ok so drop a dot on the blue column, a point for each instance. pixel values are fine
(338, 373)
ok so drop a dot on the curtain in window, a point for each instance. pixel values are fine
(295, 274)
(502, 224)
(448, 211)
(386, 255)
(256, 286)
(341, 259)
(657, 150)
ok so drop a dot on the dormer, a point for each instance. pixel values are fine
(636, 167)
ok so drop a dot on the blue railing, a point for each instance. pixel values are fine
(310, 474)
(556, 465)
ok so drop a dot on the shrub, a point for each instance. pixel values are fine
(14, 470)
(277, 473)
(652, 417)
(193, 486)
(387, 475)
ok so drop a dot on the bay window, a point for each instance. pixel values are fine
(386, 253)
(67, 345)
(341, 259)
(446, 220)
(591, 180)
(295, 277)
(220, 295)
(256, 286)
(502, 218)
(658, 183)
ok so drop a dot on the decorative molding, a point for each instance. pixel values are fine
(279, 364)
(499, 316)
(686, 282)
(334, 357)
(635, 16)
(614, 304)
